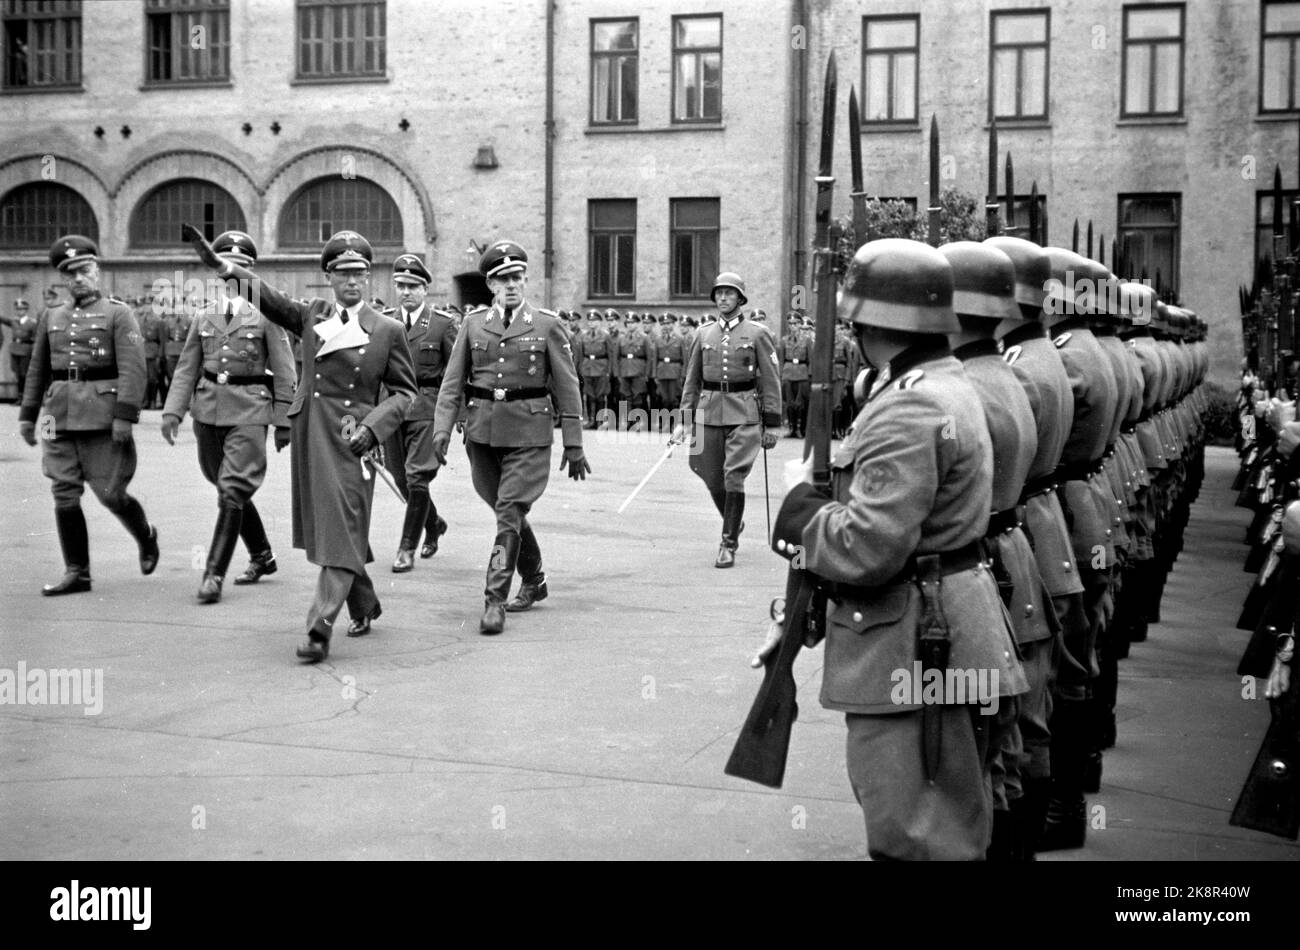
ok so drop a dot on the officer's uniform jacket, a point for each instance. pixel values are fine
(593, 351)
(99, 336)
(794, 353)
(23, 331)
(431, 337)
(738, 352)
(248, 346)
(670, 356)
(533, 353)
(636, 354)
(176, 330)
(914, 476)
(151, 327)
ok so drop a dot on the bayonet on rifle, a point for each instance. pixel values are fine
(859, 196)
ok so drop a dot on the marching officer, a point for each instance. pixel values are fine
(670, 359)
(409, 453)
(900, 543)
(86, 381)
(594, 353)
(793, 352)
(236, 376)
(22, 327)
(511, 363)
(732, 392)
(352, 356)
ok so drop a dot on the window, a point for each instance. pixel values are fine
(1018, 61)
(189, 40)
(157, 219)
(42, 43)
(1148, 237)
(611, 258)
(613, 71)
(34, 216)
(331, 204)
(1264, 222)
(1277, 58)
(697, 69)
(1022, 216)
(341, 38)
(693, 246)
(891, 50)
(1152, 82)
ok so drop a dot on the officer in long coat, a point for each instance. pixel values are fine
(236, 377)
(512, 368)
(900, 543)
(352, 355)
(86, 383)
(732, 393)
(430, 335)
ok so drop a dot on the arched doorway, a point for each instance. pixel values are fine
(472, 290)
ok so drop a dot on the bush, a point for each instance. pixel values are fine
(1220, 415)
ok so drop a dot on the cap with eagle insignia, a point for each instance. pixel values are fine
(72, 251)
(236, 247)
(502, 258)
(409, 269)
(346, 250)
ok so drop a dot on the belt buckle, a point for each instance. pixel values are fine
(222, 377)
(499, 395)
(74, 374)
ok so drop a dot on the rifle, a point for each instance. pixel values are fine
(764, 741)
(991, 227)
(935, 207)
(859, 196)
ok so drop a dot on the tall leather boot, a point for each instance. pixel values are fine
(224, 536)
(75, 542)
(417, 512)
(1031, 812)
(132, 516)
(500, 572)
(1065, 825)
(533, 587)
(253, 532)
(719, 501)
(733, 509)
(434, 528)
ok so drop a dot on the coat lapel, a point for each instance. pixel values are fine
(522, 322)
(336, 335)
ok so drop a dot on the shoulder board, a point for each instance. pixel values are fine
(1061, 340)
(1012, 354)
(910, 379)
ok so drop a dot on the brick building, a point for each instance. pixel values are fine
(684, 133)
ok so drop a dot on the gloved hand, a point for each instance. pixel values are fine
(769, 439)
(678, 436)
(441, 440)
(576, 462)
(281, 437)
(170, 426)
(1279, 678)
(121, 431)
(202, 247)
(28, 431)
(362, 441)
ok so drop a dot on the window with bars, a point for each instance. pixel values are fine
(157, 219)
(1149, 238)
(697, 69)
(614, 71)
(611, 256)
(327, 205)
(891, 52)
(1152, 79)
(189, 41)
(339, 39)
(1018, 64)
(1280, 34)
(695, 224)
(42, 43)
(34, 216)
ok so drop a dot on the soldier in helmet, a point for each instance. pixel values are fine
(594, 354)
(357, 383)
(430, 335)
(900, 544)
(512, 367)
(236, 375)
(86, 383)
(732, 392)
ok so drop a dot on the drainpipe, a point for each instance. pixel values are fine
(548, 253)
(798, 177)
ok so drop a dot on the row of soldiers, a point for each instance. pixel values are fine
(1031, 429)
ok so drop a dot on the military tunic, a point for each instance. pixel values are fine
(23, 335)
(670, 358)
(409, 453)
(636, 356)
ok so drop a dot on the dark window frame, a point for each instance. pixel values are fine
(66, 15)
(137, 227)
(703, 283)
(44, 216)
(1124, 233)
(1264, 226)
(612, 234)
(1126, 44)
(596, 55)
(696, 52)
(1293, 61)
(339, 222)
(890, 52)
(180, 16)
(355, 44)
(1046, 46)
(1022, 213)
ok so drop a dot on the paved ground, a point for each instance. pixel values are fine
(596, 727)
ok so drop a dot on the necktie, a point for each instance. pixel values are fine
(505, 319)
(343, 314)
(230, 312)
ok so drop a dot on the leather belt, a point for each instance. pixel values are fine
(429, 382)
(225, 379)
(1007, 520)
(505, 395)
(950, 562)
(1039, 486)
(77, 374)
(669, 359)
(1079, 471)
(1128, 428)
(729, 387)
